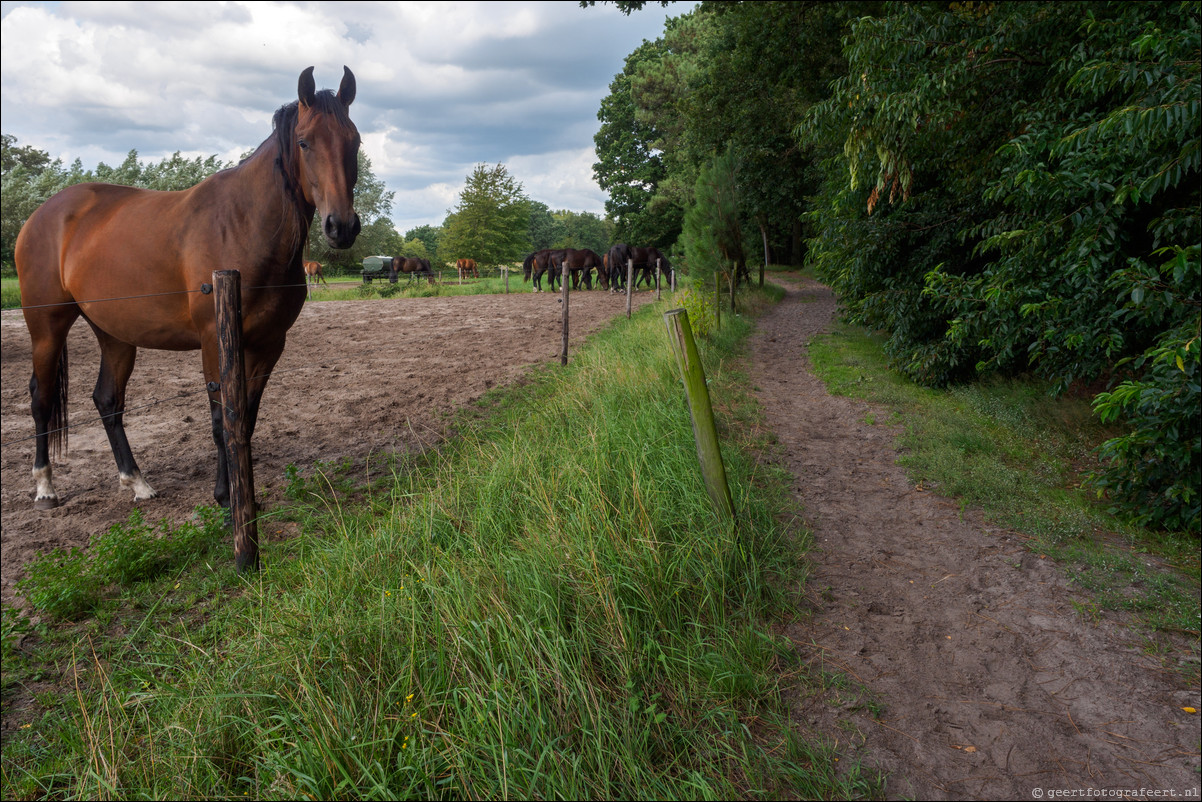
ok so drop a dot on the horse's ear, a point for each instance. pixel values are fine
(306, 88)
(346, 90)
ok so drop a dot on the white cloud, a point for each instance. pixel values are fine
(441, 86)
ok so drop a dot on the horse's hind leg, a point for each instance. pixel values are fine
(116, 365)
(48, 394)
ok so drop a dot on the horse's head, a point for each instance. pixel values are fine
(327, 160)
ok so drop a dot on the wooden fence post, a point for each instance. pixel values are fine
(705, 432)
(657, 277)
(563, 357)
(629, 285)
(506, 269)
(228, 299)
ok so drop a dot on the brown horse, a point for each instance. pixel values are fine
(645, 260)
(538, 263)
(581, 262)
(136, 265)
(411, 265)
(466, 268)
(313, 274)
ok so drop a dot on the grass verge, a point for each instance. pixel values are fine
(1011, 449)
(546, 607)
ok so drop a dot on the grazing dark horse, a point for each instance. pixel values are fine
(313, 274)
(536, 264)
(411, 265)
(644, 260)
(467, 267)
(581, 263)
(133, 262)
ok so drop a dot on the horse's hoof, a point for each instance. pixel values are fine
(45, 503)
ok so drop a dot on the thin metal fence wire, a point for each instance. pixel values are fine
(153, 403)
(150, 405)
(149, 295)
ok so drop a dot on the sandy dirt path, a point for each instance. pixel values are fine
(989, 683)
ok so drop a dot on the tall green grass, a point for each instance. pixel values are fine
(547, 607)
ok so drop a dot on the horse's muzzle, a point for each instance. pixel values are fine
(340, 233)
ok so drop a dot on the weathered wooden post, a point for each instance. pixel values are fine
(657, 276)
(506, 269)
(563, 357)
(718, 298)
(705, 432)
(629, 285)
(228, 299)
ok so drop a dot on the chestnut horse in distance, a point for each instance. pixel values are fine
(137, 265)
(313, 275)
(466, 268)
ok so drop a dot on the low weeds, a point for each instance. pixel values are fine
(67, 583)
(547, 607)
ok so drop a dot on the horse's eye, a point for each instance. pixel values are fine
(303, 144)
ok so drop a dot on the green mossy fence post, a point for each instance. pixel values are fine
(227, 285)
(705, 432)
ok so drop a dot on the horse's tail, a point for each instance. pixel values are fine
(56, 421)
(527, 266)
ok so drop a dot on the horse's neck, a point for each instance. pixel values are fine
(279, 215)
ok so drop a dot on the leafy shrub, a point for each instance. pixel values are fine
(700, 306)
(1155, 471)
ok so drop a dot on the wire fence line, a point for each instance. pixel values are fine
(151, 405)
(92, 419)
(205, 290)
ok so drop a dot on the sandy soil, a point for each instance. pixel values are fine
(990, 684)
(356, 378)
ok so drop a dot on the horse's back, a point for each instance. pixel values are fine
(104, 247)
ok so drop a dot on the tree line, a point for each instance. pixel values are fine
(1000, 188)
(494, 222)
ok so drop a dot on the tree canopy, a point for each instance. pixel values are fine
(491, 224)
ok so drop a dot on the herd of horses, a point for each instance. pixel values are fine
(77, 256)
(612, 268)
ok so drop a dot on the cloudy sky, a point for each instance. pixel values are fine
(442, 87)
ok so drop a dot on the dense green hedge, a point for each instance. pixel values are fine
(1024, 196)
